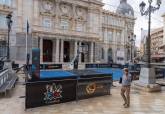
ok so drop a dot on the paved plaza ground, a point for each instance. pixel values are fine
(141, 103)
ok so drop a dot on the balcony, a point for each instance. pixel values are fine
(61, 32)
(158, 54)
(5, 8)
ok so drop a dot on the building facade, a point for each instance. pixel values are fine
(156, 43)
(60, 27)
(144, 34)
(163, 16)
(163, 46)
(5, 8)
(116, 30)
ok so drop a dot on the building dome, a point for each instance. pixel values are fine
(125, 9)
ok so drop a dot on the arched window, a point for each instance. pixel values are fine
(110, 59)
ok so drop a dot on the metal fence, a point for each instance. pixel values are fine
(3, 51)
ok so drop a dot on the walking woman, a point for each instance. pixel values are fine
(125, 90)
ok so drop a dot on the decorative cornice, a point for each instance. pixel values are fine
(112, 26)
(85, 37)
(97, 2)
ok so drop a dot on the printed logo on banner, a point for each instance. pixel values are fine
(53, 93)
(91, 88)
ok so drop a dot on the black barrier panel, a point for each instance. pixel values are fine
(160, 72)
(89, 74)
(116, 65)
(137, 67)
(50, 92)
(92, 65)
(35, 64)
(125, 66)
(50, 66)
(134, 72)
(101, 65)
(93, 87)
(105, 65)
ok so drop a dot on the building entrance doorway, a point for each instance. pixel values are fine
(82, 57)
(110, 60)
(66, 51)
(47, 50)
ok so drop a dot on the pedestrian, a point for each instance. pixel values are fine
(125, 89)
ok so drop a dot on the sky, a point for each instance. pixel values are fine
(141, 21)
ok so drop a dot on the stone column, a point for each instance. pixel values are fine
(92, 50)
(106, 36)
(54, 51)
(57, 50)
(123, 43)
(41, 50)
(19, 14)
(80, 53)
(133, 49)
(97, 53)
(62, 51)
(74, 17)
(130, 51)
(106, 54)
(114, 46)
(36, 12)
(75, 48)
(122, 37)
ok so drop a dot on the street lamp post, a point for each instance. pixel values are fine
(133, 44)
(9, 24)
(147, 79)
(148, 12)
(132, 39)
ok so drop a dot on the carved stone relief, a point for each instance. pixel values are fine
(81, 13)
(47, 7)
(65, 10)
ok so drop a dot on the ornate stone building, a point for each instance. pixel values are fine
(156, 42)
(60, 27)
(117, 29)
